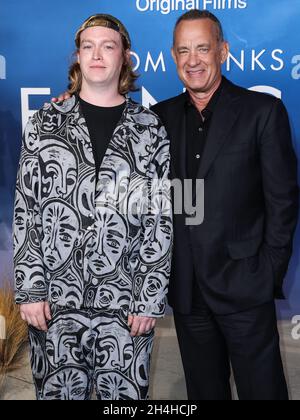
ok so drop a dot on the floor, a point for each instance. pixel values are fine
(167, 374)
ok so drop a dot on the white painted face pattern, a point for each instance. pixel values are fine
(86, 349)
(59, 169)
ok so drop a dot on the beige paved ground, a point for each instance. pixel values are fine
(167, 375)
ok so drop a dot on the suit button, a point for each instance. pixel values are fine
(198, 156)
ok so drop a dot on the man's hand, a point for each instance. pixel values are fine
(36, 314)
(62, 97)
(140, 325)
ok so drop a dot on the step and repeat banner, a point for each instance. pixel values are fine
(36, 46)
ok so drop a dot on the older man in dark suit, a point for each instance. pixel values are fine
(228, 270)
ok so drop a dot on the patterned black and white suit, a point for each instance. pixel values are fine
(96, 249)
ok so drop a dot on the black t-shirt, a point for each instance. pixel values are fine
(101, 123)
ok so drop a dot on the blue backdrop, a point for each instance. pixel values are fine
(36, 45)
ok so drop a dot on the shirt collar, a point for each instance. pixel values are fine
(209, 109)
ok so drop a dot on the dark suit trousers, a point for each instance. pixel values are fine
(249, 340)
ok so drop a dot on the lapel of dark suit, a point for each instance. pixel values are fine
(223, 118)
(177, 133)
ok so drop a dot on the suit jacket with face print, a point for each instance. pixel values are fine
(86, 242)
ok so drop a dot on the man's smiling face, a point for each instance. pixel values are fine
(199, 54)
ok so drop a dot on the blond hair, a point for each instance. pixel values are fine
(127, 76)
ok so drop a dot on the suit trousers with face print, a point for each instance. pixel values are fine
(87, 350)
